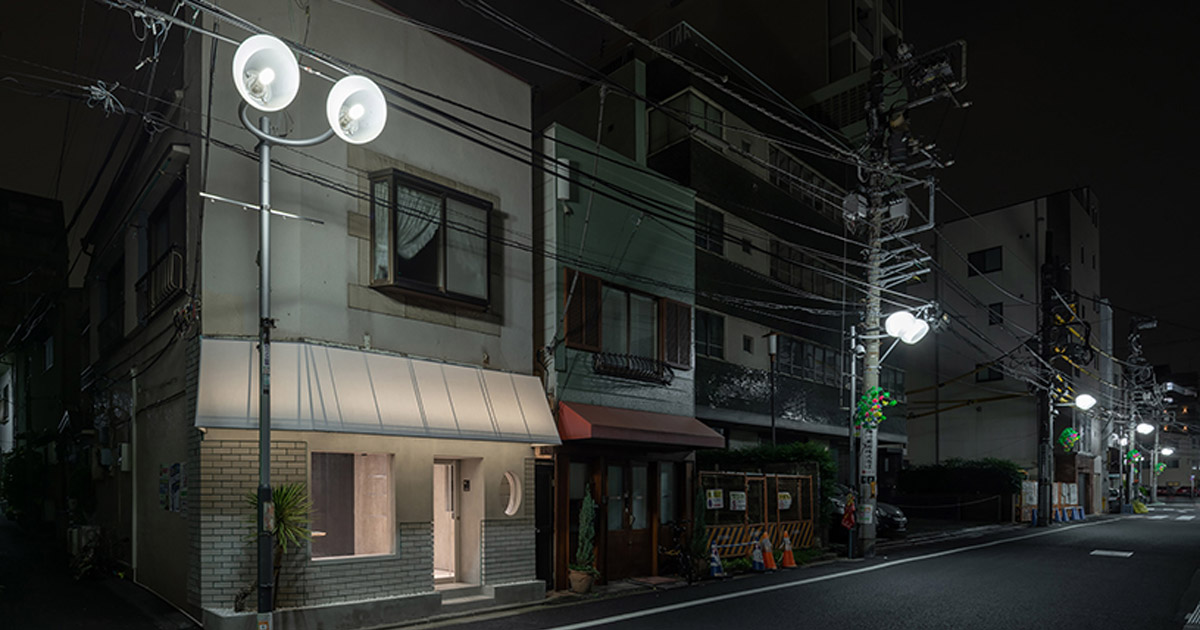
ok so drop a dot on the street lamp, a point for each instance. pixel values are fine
(1085, 401)
(903, 326)
(267, 77)
(1167, 451)
(1145, 428)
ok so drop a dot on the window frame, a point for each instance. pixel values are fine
(397, 287)
(710, 229)
(996, 314)
(987, 373)
(705, 347)
(978, 261)
(591, 291)
(390, 502)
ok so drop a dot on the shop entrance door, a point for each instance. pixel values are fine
(628, 550)
(445, 521)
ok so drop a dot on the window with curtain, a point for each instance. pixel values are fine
(429, 238)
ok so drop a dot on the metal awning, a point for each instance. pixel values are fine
(577, 421)
(321, 388)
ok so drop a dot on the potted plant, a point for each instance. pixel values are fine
(293, 509)
(583, 570)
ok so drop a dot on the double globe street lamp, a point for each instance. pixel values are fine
(267, 77)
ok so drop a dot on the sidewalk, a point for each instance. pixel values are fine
(36, 592)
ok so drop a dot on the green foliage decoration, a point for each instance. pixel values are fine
(585, 551)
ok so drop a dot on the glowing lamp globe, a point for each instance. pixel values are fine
(265, 73)
(356, 109)
(1085, 401)
(1145, 429)
(1167, 450)
(898, 322)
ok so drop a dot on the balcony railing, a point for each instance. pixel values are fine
(163, 281)
(632, 367)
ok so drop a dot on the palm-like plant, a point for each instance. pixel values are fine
(293, 509)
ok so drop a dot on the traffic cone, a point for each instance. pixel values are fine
(714, 565)
(768, 553)
(788, 561)
(756, 557)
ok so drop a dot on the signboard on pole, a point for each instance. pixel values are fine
(866, 455)
(737, 501)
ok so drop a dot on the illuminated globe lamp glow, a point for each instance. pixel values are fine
(1145, 429)
(1167, 450)
(356, 109)
(1085, 401)
(266, 73)
(904, 326)
(1124, 441)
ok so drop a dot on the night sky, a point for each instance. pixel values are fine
(1064, 94)
(1102, 94)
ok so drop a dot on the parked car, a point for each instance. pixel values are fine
(1183, 491)
(889, 519)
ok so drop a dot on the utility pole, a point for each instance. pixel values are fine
(889, 150)
(1045, 410)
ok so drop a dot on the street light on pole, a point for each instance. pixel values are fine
(267, 77)
(905, 327)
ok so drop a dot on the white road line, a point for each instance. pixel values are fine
(1111, 554)
(1159, 517)
(1184, 518)
(833, 576)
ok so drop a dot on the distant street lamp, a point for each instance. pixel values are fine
(1167, 451)
(267, 77)
(1085, 401)
(1145, 428)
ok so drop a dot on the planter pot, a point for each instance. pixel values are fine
(581, 581)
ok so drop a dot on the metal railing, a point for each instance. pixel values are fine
(632, 367)
(161, 282)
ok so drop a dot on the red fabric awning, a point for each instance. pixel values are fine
(577, 421)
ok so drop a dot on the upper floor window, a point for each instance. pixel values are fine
(995, 314)
(984, 261)
(710, 229)
(986, 373)
(808, 360)
(429, 239)
(710, 334)
(601, 317)
(793, 266)
(667, 126)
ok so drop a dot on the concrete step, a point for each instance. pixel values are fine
(466, 604)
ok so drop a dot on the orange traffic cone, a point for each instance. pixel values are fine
(768, 553)
(788, 561)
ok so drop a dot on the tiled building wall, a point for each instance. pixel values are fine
(508, 544)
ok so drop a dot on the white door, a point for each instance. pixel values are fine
(445, 521)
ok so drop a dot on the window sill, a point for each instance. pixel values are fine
(416, 296)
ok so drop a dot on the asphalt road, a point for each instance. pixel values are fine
(37, 593)
(1026, 578)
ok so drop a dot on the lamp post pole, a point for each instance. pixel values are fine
(772, 349)
(850, 434)
(266, 506)
(1154, 470)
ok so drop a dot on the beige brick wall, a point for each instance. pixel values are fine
(228, 471)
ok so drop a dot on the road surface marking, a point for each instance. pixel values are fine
(833, 576)
(1111, 554)
(1159, 517)
(1193, 620)
(1184, 518)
